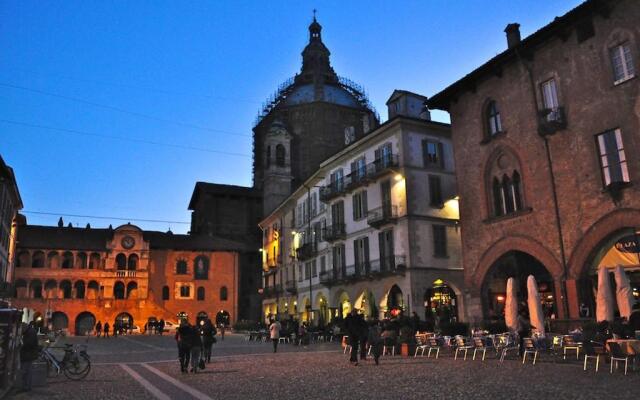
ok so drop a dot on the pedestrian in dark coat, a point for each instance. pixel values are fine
(28, 354)
(106, 329)
(375, 340)
(161, 327)
(208, 333)
(98, 329)
(184, 338)
(353, 325)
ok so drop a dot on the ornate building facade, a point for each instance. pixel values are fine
(546, 149)
(74, 277)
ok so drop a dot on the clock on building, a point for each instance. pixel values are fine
(128, 242)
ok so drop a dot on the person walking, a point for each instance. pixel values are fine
(208, 333)
(354, 331)
(184, 339)
(274, 334)
(106, 329)
(375, 340)
(160, 327)
(98, 329)
(28, 354)
(222, 329)
(196, 349)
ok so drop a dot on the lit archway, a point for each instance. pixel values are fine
(440, 304)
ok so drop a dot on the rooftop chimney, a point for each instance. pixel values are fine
(513, 34)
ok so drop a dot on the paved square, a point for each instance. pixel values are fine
(140, 367)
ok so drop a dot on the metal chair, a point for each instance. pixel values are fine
(481, 344)
(462, 345)
(568, 343)
(590, 352)
(617, 355)
(507, 343)
(421, 345)
(389, 344)
(529, 348)
(434, 344)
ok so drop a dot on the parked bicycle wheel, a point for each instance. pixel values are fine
(77, 366)
(52, 371)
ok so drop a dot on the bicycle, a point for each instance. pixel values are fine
(75, 364)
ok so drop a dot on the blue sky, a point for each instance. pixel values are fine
(117, 108)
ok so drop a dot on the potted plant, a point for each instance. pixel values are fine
(407, 340)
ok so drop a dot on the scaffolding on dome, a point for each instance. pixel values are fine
(286, 87)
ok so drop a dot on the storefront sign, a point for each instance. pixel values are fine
(628, 244)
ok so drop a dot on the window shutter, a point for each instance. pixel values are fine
(365, 206)
(425, 158)
(354, 199)
(381, 247)
(353, 169)
(366, 250)
(377, 155)
(441, 154)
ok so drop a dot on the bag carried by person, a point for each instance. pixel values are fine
(201, 363)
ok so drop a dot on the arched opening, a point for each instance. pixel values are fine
(200, 294)
(201, 267)
(53, 260)
(224, 293)
(79, 289)
(93, 290)
(67, 260)
(81, 260)
(124, 320)
(324, 314)
(517, 265)
(395, 302)
(59, 321)
(35, 289)
(118, 290)
(94, 261)
(366, 304)
(165, 293)
(132, 263)
(20, 289)
(619, 248)
(440, 304)
(201, 316)
(132, 290)
(85, 322)
(23, 259)
(51, 289)
(344, 305)
(65, 289)
(223, 318)
(121, 262)
(280, 155)
(38, 260)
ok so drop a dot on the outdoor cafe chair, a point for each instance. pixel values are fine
(421, 345)
(507, 343)
(618, 355)
(389, 346)
(434, 344)
(590, 351)
(481, 344)
(529, 348)
(568, 343)
(462, 345)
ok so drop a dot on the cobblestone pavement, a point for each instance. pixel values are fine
(145, 368)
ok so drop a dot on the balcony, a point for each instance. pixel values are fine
(387, 214)
(359, 177)
(334, 232)
(271, 291)
(389, 265)
(307, 250)
(331, 276)
(291, 287)
(126, 273)
(551, 120)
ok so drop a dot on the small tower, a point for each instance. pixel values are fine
(277, 160)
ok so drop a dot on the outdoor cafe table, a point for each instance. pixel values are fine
(629, 346)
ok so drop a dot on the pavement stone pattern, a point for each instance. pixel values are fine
(249, 370)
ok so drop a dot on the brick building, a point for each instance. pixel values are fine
(74, 277)
(546, 140)
(10, 204)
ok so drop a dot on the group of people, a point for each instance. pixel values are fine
(154, 327)
(194, 344)
(363, 335)
(119, 328)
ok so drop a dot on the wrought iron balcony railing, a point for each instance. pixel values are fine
(334, 232)
(386, 214)
(551, 120)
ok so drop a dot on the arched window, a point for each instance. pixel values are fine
(94, 261)
(79, 287)
(121, 261)
(165, 293)
(20, 288)
(82, 260)
(38, 260)
(201, 268)
(36, 289)
(280, 155)
(181, 267)
(224, 293)
(67, 260)
(132, 290)
(504, 184)
(132, 264)
(23, 259)
(200, 294)
(53, 259)
(118, 290)
(492, 118)
(65, 288)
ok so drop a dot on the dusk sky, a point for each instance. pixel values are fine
(116, 108)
